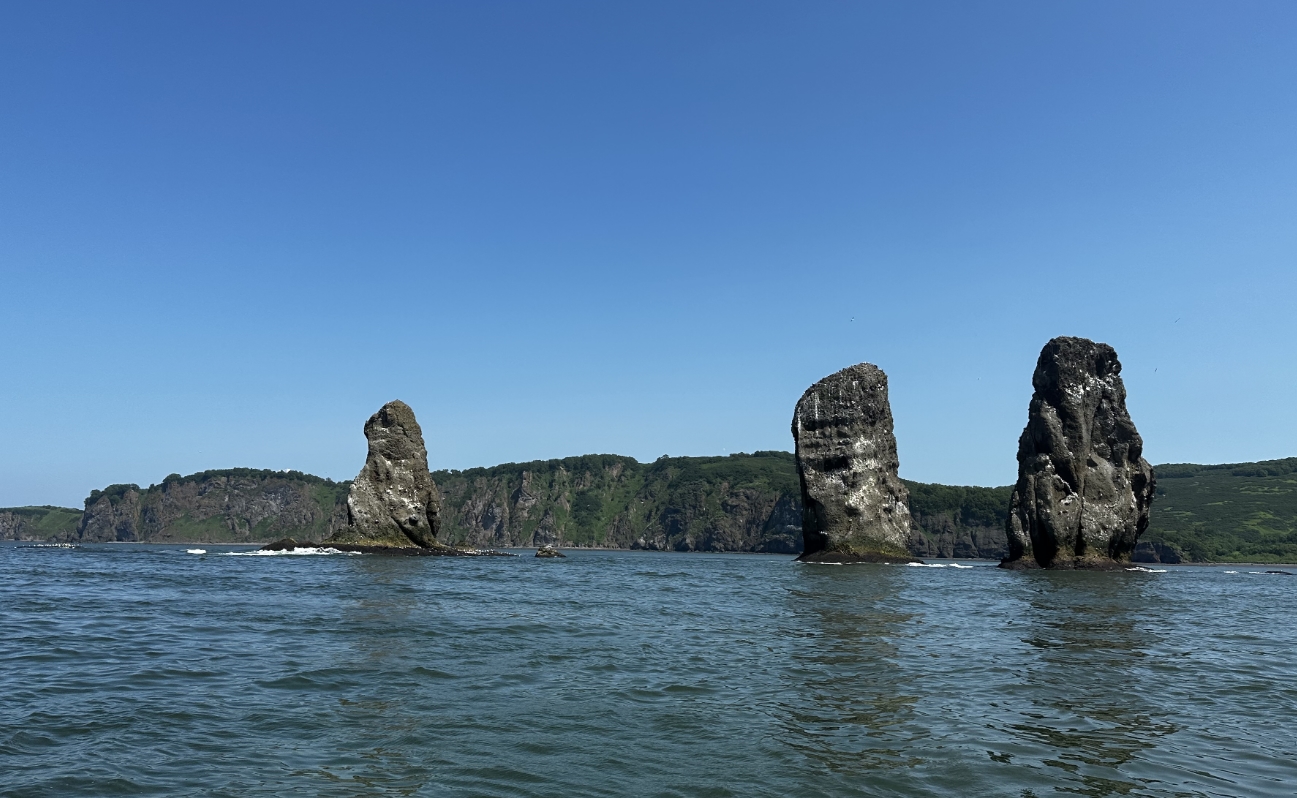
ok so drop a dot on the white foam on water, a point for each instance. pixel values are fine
(49, 546)
(299, 551)
(925, 565)
(1231, 572)
(957, 565)
(195, 551)
(1142, 569)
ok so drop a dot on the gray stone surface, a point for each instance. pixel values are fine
(1084, 489)
(854, 506)
(393, 501)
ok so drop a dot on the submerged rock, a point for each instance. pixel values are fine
(854, 506)
(549, 551)
(286, 544)
(1084, 489)
(393, 501)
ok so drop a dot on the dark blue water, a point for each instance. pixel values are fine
(143, 670)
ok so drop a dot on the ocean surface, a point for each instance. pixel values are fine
(149, 670)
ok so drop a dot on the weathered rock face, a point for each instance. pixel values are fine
(742, 502)
(1084, 489)
(38, 523)
(854, 506)
(393, 501)
(230, 506)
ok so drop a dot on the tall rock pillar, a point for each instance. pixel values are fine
(854, 506)
(1084, 488)
(393, 501)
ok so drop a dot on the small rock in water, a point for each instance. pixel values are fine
(285, 544)
(548, 550)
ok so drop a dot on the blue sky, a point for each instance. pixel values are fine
(229, 232)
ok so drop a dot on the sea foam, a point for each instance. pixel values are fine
(299, 551)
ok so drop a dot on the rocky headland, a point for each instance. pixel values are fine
(238, 505)
(854, 506)
(38, 523)
(739, 502)
(1084, 489)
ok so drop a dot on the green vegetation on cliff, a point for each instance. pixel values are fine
(38, 523)
(1238, 512)
(232, 505)
(743, 502)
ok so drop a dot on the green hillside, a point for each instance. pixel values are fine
(38, 523)
(1238, 512)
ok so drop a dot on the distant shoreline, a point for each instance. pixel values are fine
(643, 551)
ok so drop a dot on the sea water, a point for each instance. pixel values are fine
(160, 670)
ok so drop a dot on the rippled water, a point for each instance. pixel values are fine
(147, 670)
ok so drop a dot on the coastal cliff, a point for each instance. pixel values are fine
(238, 505)
(1239, 512)
(38, 523)
(744, 502)
(741, 502)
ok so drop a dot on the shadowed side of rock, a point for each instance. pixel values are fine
(854, 505)
(1084, 489)
(393, 502)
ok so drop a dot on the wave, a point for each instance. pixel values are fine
(299, 551)
(50, 546)
(195, 551)
(1144, 570)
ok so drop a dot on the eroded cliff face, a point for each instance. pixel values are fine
(234, 506)
(393, 501)
(745, 502)
(854, 505)
(736, 503)
(1084, 489)
(945, 535)
(38, 523)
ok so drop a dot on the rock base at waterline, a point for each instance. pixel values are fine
(546, 552)
(288, 544)
(852, 557)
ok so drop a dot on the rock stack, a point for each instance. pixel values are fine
(1084, 489)
(393, 502)
(854, 506)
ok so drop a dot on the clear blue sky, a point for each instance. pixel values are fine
(229, 232)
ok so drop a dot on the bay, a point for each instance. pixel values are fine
(147, 670)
